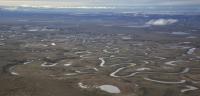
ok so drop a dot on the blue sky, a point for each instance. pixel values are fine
(143, 6)
(98, 3)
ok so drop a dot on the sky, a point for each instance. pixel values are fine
(96, 3)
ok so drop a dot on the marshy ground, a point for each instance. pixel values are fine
(107, 58)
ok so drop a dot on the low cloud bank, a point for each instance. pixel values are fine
(162, 22)
(9, 8)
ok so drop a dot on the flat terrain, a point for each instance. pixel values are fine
(98, 55)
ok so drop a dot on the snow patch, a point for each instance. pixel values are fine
(66, 65)
(102, 62)
(189, 88)
(110, 88)
(165, 82)
(143, 69)
(53, 44)
(47, 65)
(81, 85)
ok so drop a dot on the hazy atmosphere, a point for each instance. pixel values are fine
(99, 48)
(98, 3)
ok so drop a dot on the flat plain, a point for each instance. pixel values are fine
(99, 55)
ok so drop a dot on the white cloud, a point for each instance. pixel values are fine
(162, 22)
(9, 8)
(48, 4)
